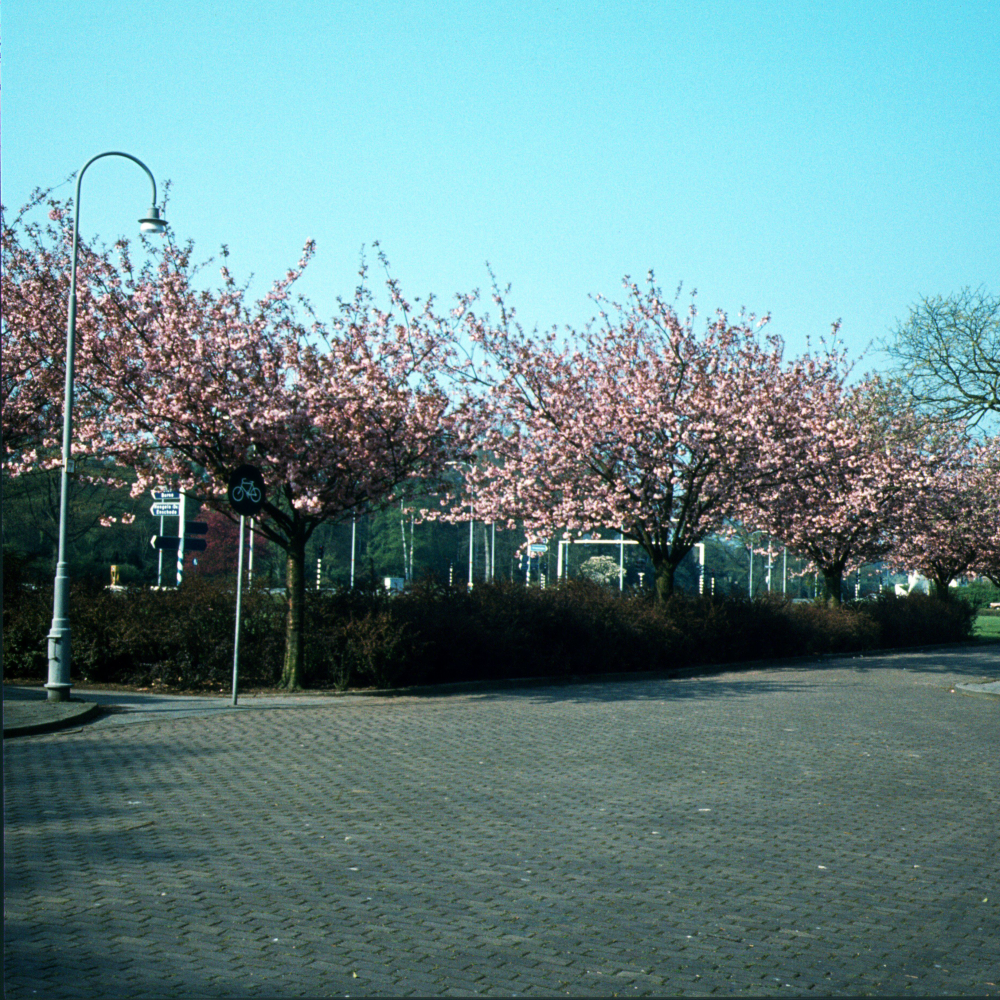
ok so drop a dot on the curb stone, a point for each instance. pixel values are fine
(29, 714)
(990, 690)
(24, 718)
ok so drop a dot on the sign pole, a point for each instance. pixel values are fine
(250, 571)
(472, 550)
(159, 569)
(246, 497)
(180, 547)
(354, 535)
(239, 606)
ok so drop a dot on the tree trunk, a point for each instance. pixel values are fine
(663, 571)
(942, 588)
(291, 670)
(833, 577)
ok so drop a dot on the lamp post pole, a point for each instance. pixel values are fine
(58, 685)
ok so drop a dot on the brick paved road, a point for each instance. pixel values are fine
(831, 829)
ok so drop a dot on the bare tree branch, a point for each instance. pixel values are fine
(947, 354)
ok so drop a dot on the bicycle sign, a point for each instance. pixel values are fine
(246, 490)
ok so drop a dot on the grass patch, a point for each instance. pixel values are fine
(986, 627)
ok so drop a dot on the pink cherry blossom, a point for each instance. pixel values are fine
(183, 384)
(638, 424)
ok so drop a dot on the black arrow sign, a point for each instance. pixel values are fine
(172, 544)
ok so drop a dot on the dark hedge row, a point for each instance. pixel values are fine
(184, 639)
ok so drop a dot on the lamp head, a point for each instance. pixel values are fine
(152, 223)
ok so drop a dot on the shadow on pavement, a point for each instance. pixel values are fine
(973, 662)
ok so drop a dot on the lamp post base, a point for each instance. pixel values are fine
(58, 692)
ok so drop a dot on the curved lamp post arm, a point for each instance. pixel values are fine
(58, 684)
(93, 159)
(71, 317)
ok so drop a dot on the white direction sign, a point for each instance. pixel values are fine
(165, 510)
(537, 548)
(166, 495)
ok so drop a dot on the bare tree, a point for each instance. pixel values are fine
(948, 354)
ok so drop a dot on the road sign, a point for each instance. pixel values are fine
(166, 495)
(165, 510)
(195, 528)
(537, 548)
(246, 490)
(172, 544)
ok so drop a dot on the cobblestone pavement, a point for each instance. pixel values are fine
(829, 829)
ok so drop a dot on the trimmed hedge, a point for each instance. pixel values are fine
(183, 640)
(178, 639)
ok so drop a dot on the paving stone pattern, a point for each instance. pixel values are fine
(827, 829)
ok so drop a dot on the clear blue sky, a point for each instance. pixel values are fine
(812, 160)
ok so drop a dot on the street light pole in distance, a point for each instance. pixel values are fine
(60, 653)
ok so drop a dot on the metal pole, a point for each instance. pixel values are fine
(769, 565)
(559, 560)
(354, 535)
(493, 554)
(472, 551)
(319, 571)
(239, 608)
(751, 565)
(701, 567)
(250, 569)
(621, 562)
(159, 569)
(402, 531)
(180, 545)
(60, 646)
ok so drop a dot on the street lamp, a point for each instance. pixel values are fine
(58, 684)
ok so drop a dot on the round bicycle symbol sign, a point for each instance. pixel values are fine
(246, 490)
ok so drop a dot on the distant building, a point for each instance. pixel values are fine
(915, 584)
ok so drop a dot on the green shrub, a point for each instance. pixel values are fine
(980, 595)
(27, 617)
(183, 639)
(918, 620)
(178, 638)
